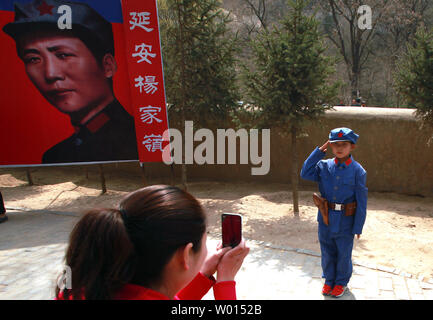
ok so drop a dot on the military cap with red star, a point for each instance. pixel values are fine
(87, 23)
(343, 134)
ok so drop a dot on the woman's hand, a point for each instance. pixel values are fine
(211, 262)
(231, 262)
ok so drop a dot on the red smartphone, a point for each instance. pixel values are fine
(231, 229)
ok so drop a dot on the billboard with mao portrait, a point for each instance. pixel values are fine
(80, 82)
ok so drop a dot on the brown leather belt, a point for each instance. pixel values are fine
(348, 208)
(324, 205)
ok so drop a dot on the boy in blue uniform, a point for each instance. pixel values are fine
(342, 184)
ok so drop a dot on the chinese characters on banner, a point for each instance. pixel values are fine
(144, 60)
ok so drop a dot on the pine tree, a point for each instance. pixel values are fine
(415, 73)
(199, 63)
(290, 84)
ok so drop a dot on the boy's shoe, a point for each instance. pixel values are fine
(338, 291)
(326, 290)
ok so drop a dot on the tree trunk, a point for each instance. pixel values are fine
(143, 174)
(103, 186)
(354, 82)
(295, 174)
(184, 177)
(29, 177)
(183, 88)
(172, 177)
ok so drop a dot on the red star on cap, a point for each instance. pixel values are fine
(340, 134)
(45, 8)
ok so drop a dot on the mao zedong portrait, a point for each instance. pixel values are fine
(73, 69)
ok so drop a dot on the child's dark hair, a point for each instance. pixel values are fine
(109, 248)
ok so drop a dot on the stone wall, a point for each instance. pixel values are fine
(392, 148)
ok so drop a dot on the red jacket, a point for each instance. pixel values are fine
(195, 290)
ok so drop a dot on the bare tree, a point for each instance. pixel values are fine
(401, 24)
(262, 13)
(396, 31)
(258, 8)
(352, 42)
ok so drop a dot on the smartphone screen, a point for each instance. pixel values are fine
(231, 229)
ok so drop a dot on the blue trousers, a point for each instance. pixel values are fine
(336, 250)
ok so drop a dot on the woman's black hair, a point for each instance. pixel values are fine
(109, 248)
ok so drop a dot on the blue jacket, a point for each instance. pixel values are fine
(339, 183)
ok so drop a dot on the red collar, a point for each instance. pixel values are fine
(95, 123)
(347, 162)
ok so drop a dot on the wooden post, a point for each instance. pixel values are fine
(29, 177)
(143, 174)
(103, 186)
(184, 177)
(172, 177)
(182, 87)
(295, 172)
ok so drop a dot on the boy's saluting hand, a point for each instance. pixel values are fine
(324, 148)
